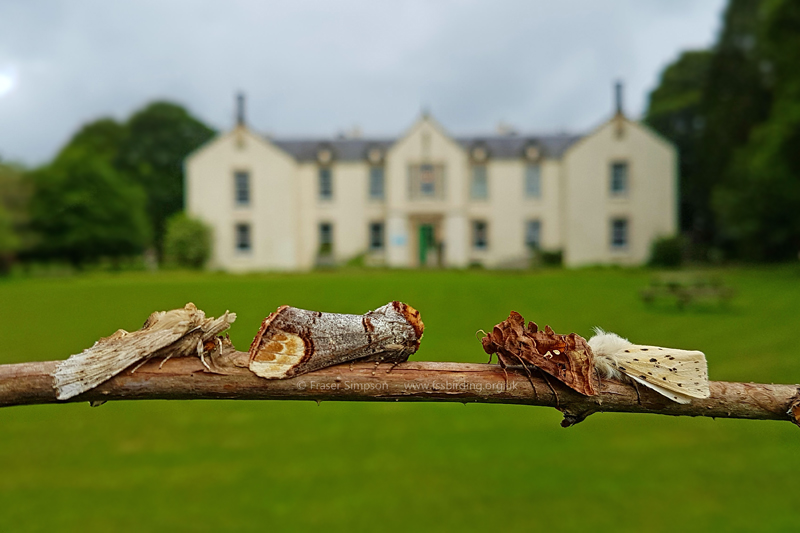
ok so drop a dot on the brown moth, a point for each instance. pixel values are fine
(567, 358)
(294, 341)
(175, 333)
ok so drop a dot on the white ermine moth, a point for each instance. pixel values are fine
(680, 375)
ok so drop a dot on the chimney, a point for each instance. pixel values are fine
(618, 97)
(240, 109)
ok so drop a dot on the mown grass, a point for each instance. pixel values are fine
(254, 466)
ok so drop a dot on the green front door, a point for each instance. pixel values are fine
(426, 242)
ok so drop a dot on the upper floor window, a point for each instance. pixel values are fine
(479, 188)
(533, 234)
(533, 180)
(376, 233)
(426, 181)
(619, 178)
(376, 183)
(619, 233)
(325, 183)
(243, 238)
(480, 235)
(241, 184)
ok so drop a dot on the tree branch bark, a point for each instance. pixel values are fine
(186, 379)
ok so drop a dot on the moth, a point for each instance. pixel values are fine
(294, 341)
(680, 375)
(175, 333)
(567, 358)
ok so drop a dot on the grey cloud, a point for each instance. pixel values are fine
(316, 67)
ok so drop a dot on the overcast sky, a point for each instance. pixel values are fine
(318, 67)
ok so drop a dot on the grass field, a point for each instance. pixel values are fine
(259, 466)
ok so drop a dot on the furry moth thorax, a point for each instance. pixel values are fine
(680, 375)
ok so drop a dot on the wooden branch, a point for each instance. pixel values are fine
(186, 379)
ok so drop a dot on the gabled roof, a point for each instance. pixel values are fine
(499, 146)
(305, 150)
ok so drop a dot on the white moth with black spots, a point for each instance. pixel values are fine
(680, 375)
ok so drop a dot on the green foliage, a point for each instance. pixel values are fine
(667, 252)
(740, 169)
(187, 242)
(75, 468)
(14, 197)
(159, 137)
(83, 209)
(675, 111)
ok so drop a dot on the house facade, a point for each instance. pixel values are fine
(430, 199)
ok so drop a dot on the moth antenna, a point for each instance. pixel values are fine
(480, 331)
(146, 359)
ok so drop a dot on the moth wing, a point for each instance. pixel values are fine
(677, 374)
(108, 357)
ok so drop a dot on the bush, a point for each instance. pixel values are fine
(667, 252)
(187, 242)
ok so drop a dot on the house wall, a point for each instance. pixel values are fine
(575, 208)
(273, 210)
(650, 204)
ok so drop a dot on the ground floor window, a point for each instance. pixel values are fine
(325, 238)
(480, 235)
(533, 234)
(619, 233)
(243, 238)
(376, 236)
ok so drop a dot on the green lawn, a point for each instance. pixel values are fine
(259, 466)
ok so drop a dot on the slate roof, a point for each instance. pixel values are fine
(498, 146)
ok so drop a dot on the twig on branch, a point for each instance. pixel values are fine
(186, 378)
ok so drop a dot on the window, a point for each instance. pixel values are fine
(480, 237)
(241, 184)
(619, 233)
(426, 181)
(325, 183)
(480, 182)
(533, 234)
(325, 238)
(619, 178)
(376, 183)
(243, 239)
(533, 180)
(376, 236)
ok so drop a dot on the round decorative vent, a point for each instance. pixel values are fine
(532, 153)
(375, 156)
(480, 154)
(324, 156)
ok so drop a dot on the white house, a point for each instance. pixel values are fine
(428, 198)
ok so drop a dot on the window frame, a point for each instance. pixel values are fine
(625, 232)
(480, 235)
(325, 173)
(381, 233)
(530, 191)
(479, 170)
(613, 190)
(237, 200)
(529, 224)
(372, 193)
(248, 238)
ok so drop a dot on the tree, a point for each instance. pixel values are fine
(187, 242)
(159, 137)
(675, 111)
(759, 205)
(83, 209)
(14, 197)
